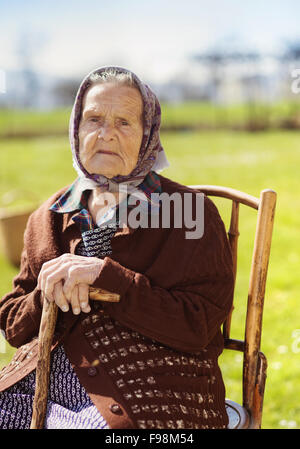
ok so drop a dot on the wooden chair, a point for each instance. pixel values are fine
(249, 414)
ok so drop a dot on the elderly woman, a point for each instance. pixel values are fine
(151, 359)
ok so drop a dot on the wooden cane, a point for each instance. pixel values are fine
(46, 332)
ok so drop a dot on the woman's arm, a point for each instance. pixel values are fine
(21, 309)
(185, 295)
(184, 309)
(184, 313)
(185, 317)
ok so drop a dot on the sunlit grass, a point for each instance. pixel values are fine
(30, 123)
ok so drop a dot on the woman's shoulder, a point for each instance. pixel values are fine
(43, 228)
(170, 186)
(45, 205)
(43, 219)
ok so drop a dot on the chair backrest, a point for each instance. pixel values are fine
(254, 361)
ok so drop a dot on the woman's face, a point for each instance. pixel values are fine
(111, 129)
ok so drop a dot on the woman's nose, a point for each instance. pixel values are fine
(106, 131)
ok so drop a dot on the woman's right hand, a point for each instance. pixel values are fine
(66, 280)
(79, 300)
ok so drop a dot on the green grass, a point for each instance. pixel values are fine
(241, 160)
(32, 122)
(32, 169)
(28, 123)
(233, 115)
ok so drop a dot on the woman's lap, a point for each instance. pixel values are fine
(69, 406)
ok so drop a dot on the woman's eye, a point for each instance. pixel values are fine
(92, 119)
(123, 122)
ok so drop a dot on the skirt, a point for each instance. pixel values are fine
(68, 407)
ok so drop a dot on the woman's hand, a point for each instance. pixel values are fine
(66, 280)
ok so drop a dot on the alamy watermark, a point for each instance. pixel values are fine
(2, 82)
(140, 211)
(295, 86)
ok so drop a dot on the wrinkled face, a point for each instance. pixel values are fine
(111, 129)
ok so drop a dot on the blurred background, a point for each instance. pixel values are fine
(227, 74)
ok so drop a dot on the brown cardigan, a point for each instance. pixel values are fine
(149, 361)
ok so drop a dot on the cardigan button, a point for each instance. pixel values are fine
(115, 408)
(92, 371)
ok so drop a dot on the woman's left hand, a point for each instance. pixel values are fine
(66, 280)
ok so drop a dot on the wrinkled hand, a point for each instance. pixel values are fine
(66, 280)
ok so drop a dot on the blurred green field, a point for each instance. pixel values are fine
(193, 114)
(37, 167)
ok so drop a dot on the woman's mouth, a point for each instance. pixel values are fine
(107, 152)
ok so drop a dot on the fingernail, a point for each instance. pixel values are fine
(84, 304)
(76, 311)
(87, 309)
(65, 308)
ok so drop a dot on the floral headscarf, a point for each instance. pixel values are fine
(151, 155)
